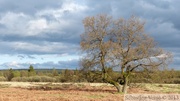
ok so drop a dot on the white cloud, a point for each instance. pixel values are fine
(14, 22)
(33, 25)
(12, 64)
(67, 7)
(52, 47)
(163, 56)
(48, 64)
(37, 25)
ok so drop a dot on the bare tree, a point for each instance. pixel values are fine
(120, 44)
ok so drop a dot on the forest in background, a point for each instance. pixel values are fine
(80, 75)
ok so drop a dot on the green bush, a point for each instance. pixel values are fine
(16, 74)
(35, 79)
(47, 79)
(23, 73)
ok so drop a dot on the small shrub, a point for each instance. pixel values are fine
(160, 85)
(47, 79)
(58, 78)
(21, 79)
(2, 79)
(176, 81)
(34, 79)
(8, 74)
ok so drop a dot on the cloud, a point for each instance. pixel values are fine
(40, 48)
(31, 29)
(21, 57)
(71, 64)
(37, 34)
(27, 26)
(28, 6)
(47, 20)
(163, 56)
(10, 65)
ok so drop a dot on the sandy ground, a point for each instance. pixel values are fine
(19, 91)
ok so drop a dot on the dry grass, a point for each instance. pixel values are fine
(20, 91)
(164, 88)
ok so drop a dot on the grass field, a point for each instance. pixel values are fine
(26, 91)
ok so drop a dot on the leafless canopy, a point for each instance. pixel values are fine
(121, 43)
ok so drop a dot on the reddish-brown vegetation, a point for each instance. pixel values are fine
(65, 92)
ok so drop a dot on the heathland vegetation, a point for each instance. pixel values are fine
(81, 75)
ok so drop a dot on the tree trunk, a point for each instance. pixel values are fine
(108, 79)
(124, 89)
(118, 87)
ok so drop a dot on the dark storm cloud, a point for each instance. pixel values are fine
(2, 26)
(70, 64)
(28, 36)
(176, 63)
(161, 17)
(28, 6)
(21, 57)
(66, 37)
(69, 37)
(166, 11)
(28, 27)
(163, 4)
(40, 48)
(99, 7)
(25, 57)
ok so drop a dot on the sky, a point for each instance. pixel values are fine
(46, 33)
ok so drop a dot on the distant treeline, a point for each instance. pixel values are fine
(66, 75)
